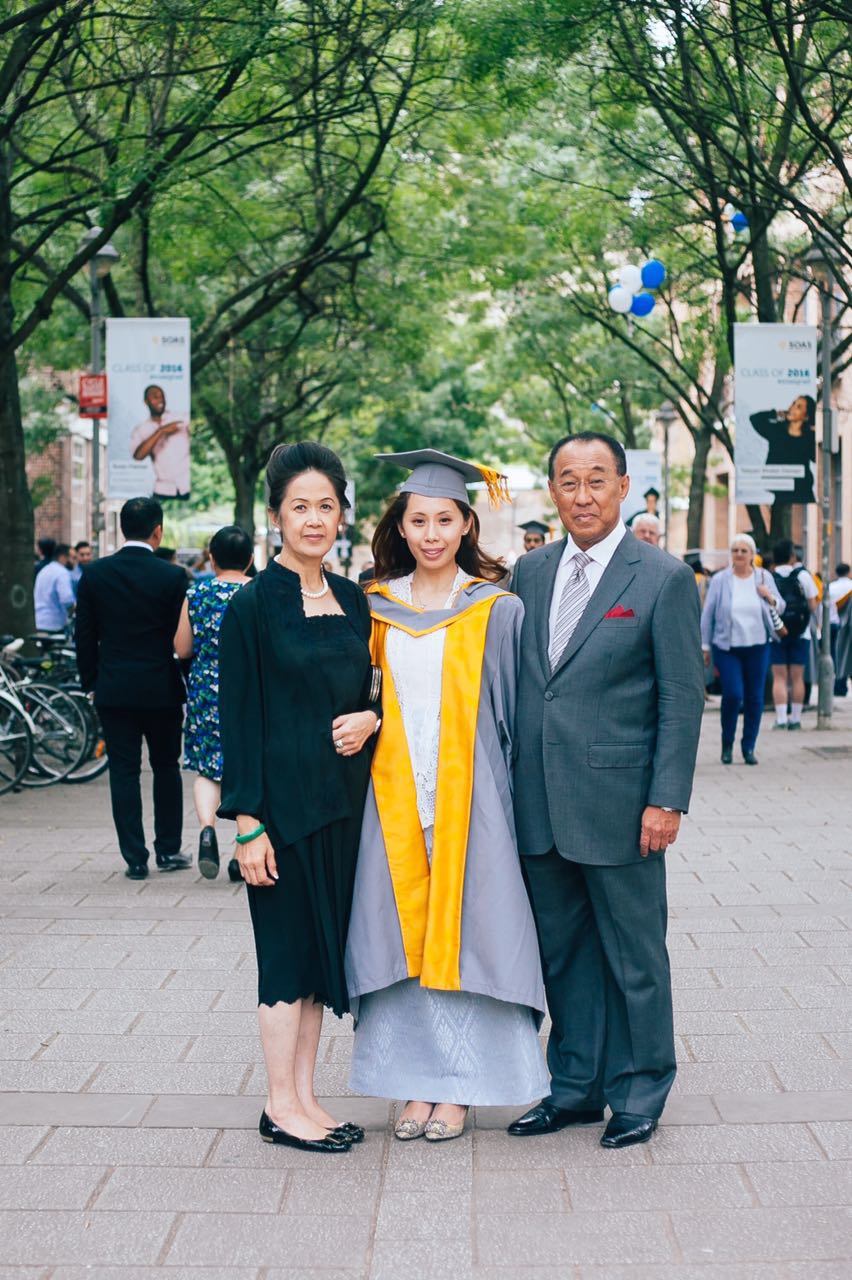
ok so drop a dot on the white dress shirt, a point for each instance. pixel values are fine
(170, 456)
(132, 543)
(600, 554)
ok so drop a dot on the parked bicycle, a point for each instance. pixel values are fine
(58, 733)
(56, 664)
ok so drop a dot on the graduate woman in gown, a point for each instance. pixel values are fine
(296, 720)
(442, 960)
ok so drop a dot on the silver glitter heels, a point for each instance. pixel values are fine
(443, 1131)
(407, 1130)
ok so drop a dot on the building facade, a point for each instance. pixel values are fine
(63, 474)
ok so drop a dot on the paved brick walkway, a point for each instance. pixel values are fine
(131, 1075)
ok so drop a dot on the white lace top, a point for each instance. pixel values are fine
(416, 664)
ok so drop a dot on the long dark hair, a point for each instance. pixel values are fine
(810, 421)
(392, 554)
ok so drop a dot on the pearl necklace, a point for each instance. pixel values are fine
(317, 595)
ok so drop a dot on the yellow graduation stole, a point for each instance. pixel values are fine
(429, 900)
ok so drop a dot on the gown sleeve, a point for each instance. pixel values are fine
(240, 715)
(508, 616)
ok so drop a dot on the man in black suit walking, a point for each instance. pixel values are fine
(128, 606)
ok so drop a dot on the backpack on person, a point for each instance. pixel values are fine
(797, 612)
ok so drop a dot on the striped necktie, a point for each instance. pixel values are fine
(575, 597)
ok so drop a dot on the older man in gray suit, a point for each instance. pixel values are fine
(609, 711)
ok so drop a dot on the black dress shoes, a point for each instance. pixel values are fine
(270, 1132)
(547, 1118)
(626, 1130)
(208, 854)
(727, 755)
(749, 757)
(173, 862)
(137, 871)
(349, 1132)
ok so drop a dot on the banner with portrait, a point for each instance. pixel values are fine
(775, 387)
(646, 486)
(148, 366)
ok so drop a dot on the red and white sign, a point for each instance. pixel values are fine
(93, 395)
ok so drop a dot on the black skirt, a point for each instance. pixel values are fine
(300, 923)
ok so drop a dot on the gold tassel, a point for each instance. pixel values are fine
(497, 486)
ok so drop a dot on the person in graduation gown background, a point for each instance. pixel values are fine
(536, 534)
(296, 722)
(442, 959)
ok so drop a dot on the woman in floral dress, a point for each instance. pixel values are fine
(197, 637)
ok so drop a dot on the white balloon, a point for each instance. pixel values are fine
(621, 299)
(630, 278)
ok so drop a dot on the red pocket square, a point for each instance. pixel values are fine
(620, 612)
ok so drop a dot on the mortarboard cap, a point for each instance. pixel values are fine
(440, 475)
(535, 526)
(651, 493)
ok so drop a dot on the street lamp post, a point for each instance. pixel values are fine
(821, 266)
(666, 416)
(99, 266)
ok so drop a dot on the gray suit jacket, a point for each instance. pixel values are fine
(615, 727)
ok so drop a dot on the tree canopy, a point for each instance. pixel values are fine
(393, 221)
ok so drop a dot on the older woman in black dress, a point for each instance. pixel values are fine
(297, 723)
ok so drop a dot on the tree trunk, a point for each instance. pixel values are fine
(16, 509)
(627, 419)
(17, 535)
(760, 533)
(781, 524)
(244, 473)
(703, 439)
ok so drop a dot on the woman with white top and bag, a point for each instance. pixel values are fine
(741, 615)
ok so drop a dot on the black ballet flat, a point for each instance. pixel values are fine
(270, 1132)
(349, 1132)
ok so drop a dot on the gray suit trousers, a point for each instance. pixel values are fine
(602, 932)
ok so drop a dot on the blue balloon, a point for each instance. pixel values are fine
(739, 221)
(643, 304)
(653, 274)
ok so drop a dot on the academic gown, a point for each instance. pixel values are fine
(442, 959)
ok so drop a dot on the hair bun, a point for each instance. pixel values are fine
(290, 460)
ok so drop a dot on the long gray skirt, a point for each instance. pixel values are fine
(446, 1046)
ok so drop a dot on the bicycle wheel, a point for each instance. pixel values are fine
(15, 745)
(59, 734)
(95, 760)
